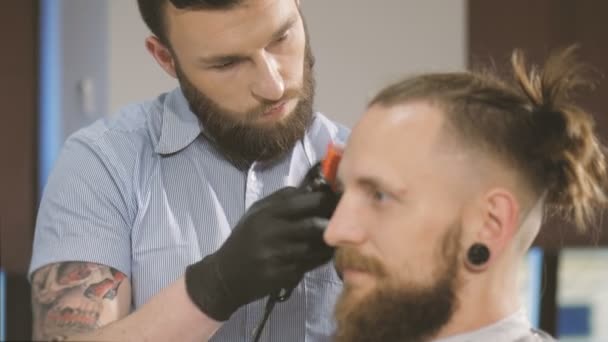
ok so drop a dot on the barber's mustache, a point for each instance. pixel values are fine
(349, 258)
(268, 105)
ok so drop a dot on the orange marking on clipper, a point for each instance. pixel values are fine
(329, 165)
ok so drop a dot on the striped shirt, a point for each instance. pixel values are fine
(147, 194)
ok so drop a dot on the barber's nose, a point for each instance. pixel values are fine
(269, 84)
(345, 226)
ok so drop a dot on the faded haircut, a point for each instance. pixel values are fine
(530, 122)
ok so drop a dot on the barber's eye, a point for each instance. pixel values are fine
(225, 66)
(282, 38)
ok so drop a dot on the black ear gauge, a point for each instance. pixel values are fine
(478, 254)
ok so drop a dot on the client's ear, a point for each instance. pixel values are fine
(496, 224)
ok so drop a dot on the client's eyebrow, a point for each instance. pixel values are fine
(380, 184)
(370, 183)
(229, 58)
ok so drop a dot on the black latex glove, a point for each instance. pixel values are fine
(277, 240)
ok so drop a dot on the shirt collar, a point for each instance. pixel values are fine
(511, 328)
(179, 127)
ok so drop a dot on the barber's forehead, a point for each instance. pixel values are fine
(245, 24)
(251, 8)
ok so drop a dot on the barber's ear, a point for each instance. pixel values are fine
(162, 55)
(498, 224)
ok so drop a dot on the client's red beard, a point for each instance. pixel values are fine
(393, 310)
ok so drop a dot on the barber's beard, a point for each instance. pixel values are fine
(393, 310)
(238, 137)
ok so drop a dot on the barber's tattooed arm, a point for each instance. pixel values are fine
(72, 298)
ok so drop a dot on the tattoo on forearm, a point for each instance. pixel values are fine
(68, 298)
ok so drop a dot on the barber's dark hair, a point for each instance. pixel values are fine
(532, 124)
(153, 12)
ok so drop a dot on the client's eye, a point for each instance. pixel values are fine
(379, 196)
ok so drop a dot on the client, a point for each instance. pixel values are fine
(446, 181)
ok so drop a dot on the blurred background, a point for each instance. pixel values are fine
(66, 63)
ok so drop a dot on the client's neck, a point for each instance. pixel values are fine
(482, 300)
